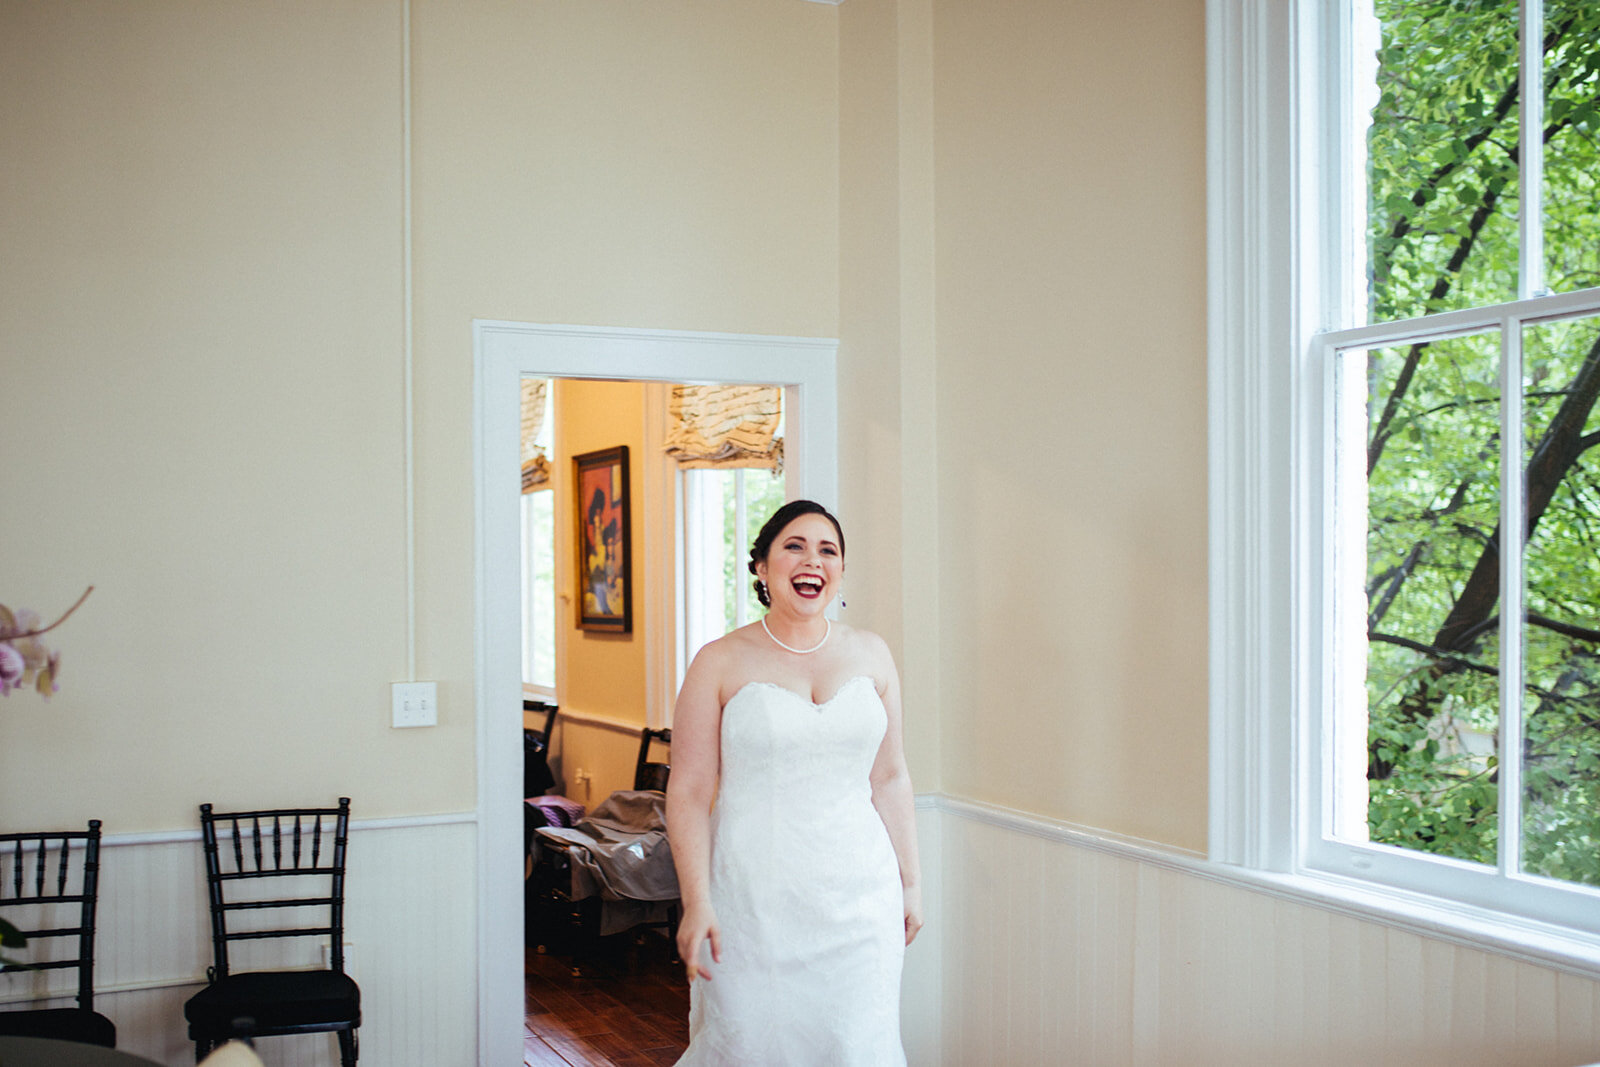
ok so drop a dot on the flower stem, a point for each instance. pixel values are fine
(58, 622)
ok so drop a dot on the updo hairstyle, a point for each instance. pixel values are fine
(774, 526)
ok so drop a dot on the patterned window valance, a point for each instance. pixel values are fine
(725, 426)
(535, 467)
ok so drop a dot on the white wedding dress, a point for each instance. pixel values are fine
(806, 890)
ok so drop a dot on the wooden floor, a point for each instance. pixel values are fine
(628, 1008)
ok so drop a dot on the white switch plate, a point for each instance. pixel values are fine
(416, 703)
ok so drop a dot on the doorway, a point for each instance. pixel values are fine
(504, 353)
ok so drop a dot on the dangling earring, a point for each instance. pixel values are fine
(842, 604)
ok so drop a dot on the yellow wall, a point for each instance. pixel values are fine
(601, 673)
(1069, 177)
(602, 676)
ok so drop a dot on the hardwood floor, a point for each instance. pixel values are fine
(629, 1008)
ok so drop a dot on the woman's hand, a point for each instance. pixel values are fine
(698, 927)
(913, 907)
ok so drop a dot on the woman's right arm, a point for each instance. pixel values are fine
(691, 789)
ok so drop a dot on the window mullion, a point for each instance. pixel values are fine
(1513, 534)
(1530, 274)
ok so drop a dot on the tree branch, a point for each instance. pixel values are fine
(1457, 662)
(1395, 578)
(1553, 457)
(1565, 629)
(1441, 287)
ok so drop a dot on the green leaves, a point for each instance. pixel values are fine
(1443, 233)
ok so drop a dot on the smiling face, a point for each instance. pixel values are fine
(804, 565)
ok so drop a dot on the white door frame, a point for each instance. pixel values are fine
(503, 353)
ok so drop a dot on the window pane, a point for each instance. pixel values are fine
(705, 558)
(539, 589)
(763, 496)
(1432, 585)
(732, 556)
(717, 548)
(1441, 151)
(1561, 703)
(1571, 197)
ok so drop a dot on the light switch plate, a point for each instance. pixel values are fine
(416, 703)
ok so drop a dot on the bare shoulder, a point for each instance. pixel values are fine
(721, 662)
(872, 653)
(865, 641)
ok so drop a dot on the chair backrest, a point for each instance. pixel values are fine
(536, 774)
(537, 706)
(646, 774)
(244, 847)
(37, 880)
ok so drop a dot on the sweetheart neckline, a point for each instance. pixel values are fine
(837, 693)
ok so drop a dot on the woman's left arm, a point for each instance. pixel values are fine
(892, 796)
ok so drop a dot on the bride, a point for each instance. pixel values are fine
(790, 814)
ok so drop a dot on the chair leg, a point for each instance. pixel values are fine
(347, 1048)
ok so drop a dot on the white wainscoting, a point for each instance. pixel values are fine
(1058, 950)
(1042, 948)
(411, 926)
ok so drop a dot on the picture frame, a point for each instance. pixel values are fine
(604, 541)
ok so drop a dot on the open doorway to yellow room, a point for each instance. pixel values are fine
(608, 390)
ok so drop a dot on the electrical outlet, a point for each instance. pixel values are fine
(415, 703)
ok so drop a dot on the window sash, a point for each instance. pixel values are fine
(1505, 886)
(538, 605)
(1277, 81)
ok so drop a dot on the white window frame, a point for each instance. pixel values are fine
(1272, 152)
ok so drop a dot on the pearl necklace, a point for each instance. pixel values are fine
(800, 651)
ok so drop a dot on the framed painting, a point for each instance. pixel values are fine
(605, 552)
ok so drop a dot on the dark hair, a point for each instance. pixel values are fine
(774, 526)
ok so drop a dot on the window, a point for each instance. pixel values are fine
(539, 591)
(727, 442)
(722, 511)
(1406, 449)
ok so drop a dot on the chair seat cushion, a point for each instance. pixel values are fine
(275, 1000)
(61, 1024)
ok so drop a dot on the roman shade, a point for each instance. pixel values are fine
(535, 467)
(725, 426)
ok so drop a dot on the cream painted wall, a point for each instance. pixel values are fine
(200, 262)
(606, 163)
(202, 341)
(889, 486)
(1069, 178)
(201, 351)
